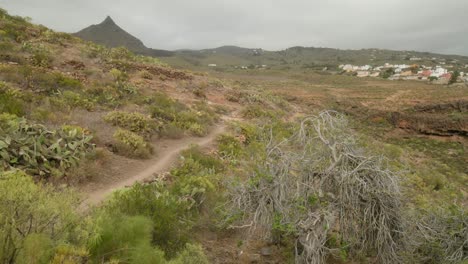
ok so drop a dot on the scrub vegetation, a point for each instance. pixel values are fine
(374, 180)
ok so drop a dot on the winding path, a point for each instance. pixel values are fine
(166, 158)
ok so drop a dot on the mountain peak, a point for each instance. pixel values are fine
(109, 34)
(108, 20)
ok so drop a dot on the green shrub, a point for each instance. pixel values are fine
(196, 177)
(258, 111)
(197, 129)
(105, 95)
(134, 122)
(56, 37)
(74, 99)
(118, 75)
(149, 60)
(40, 151)
(171, 221)
(131, 145)
(165, 108)
(14, 27)
(121, 53)
(171, 130)
(206, 161)
(229, 147)
(192, 254)
(439, 236)
(34, 217)
(68, 254)
(67, 83)
(146, 75)
(196, 120)
(126, 238)
(6, 46)
(10, 104)
(41, 59)
(38, 79)
(37, 248)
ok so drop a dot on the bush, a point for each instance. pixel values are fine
(196, 178)
(121, 53)
(38, 79)
(258, 111)
(67, 254)
(169, 111)
(165, 108)
(56, 37)
(41, 59)
(126, 238)
(90, 166)
(131, 145)
(146, 75)
(11, 105)
(73, 99)
(315, 179)
(118, 75)
(134, 122)
(229, 147)
(172, 131)
(206, 161)
(34, 218)
(192, 254)
(439, 236)
(37, 248)
(170, 219)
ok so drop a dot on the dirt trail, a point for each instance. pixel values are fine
(165, 159)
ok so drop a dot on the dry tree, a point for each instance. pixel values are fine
(319, 181)
(439, 236)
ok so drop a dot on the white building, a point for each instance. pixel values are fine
(212, 65)
(438, 72)
(363, 74)
(365, 68)
(348, 67)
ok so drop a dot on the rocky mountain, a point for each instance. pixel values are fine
(108, 33)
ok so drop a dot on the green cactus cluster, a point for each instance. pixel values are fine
(38, 150)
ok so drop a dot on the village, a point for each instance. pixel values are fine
(435, 74)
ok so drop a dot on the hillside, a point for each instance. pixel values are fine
(296, 58)
(107, 156)
(109, 34)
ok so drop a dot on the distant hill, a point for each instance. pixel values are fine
(308, 57)
(108, 33)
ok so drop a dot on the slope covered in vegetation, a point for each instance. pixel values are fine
(279, 186)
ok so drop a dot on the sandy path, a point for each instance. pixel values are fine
(165, 159)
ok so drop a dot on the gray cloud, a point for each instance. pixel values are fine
(423, 25)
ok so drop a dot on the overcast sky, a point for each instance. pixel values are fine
(423, 25)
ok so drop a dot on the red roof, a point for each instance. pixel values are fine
(426, 73)
(447, 76)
